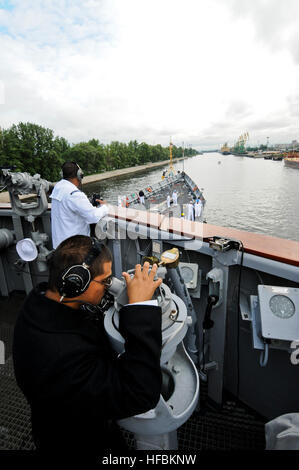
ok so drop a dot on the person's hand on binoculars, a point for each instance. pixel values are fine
(101, 201)
(142, 286)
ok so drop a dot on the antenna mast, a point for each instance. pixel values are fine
(170, 155)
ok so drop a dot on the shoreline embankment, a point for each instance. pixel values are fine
(4, 197)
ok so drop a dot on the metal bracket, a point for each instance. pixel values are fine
(216, 276)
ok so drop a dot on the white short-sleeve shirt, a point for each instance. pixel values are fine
(72, 212)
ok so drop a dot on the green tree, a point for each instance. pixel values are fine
(143, 153)
(132, 150)
(33, 148)
(87, 156)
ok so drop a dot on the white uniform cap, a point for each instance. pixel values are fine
(26, 249)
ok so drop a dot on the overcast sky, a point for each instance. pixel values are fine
(201, 71)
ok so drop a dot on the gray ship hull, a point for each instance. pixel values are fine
(238, 371)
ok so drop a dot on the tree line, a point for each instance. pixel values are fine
(35, 149)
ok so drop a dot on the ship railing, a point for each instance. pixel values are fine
(193, 187)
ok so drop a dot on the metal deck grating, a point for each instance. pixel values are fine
(210, 433)
(231, 428)
(15, 426)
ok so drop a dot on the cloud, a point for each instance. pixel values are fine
(238, 109)
(275, 22)
(198, 71)
(2, 93)
(293, 104)
(6, 5)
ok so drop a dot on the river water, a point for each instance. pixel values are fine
(250, 194)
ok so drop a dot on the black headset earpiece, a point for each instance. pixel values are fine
(74, 280)
(79, 174)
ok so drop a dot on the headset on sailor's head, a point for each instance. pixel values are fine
(74, 280)
(79, 174)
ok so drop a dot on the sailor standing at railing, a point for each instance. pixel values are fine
(141, 197)
(175, 197)
(75, 383)
(198, 208)
(168, 200)
(71, 211)
(190, 215)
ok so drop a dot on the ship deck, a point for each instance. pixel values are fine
(233, 427)
(157, 202)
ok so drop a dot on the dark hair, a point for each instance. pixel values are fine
(69, 170)
(72, 251)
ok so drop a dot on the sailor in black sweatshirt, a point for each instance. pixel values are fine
(76, 385)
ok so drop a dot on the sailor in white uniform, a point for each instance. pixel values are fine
(71, 211)
(141, 197)
(198, 208)
(168, 200)
(190, 215)
(175, 198)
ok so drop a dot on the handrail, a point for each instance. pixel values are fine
(282, 250)
(278, 249)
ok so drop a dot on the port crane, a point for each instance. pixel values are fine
(241, 142)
